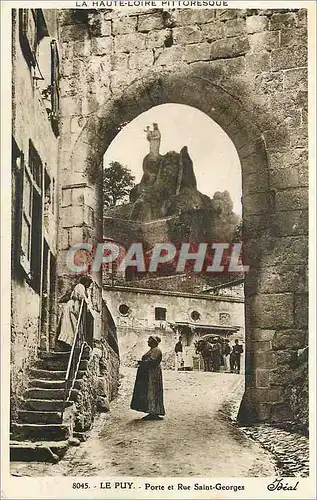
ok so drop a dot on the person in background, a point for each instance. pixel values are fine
(237, 350)
(179, 354)
(148, 388)
(70, 314)
(226, 355)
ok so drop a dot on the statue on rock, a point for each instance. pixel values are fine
(154, 138)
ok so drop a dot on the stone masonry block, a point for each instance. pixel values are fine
(254, 24)
(279, 21)
(262, 346)
(232, 47)
(231, 67)
(292, 223)
(197, 52)
(268, 82)
(130, 42)
(255, 183)
(256, 204)
(267, 395)
(296, 79)
(66, 197)
(149, 22)
(262, 378)
(293, 37)
(185, 17)
(143, 59)
(290, 339)
(212, 31)
(169, 56)
(120, 61)
(283, 58)
(273, 311)
(281, 375)
(301, 311)
(235, 27)
(285, 178)
(282, 279)
(296, 158)
(123, 25)
(259, 335)
(291, 199)
(102, 46)
(65, 239)
(258, 62)
(266, 40)
(156, 39)
(75, 216)
(285, 251)
(227, 14)
(187, 34)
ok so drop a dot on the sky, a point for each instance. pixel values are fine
(215, 159)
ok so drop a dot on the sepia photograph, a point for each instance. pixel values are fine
(156, 275)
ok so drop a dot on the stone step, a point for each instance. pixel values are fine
(49, 394)
(38, 451)
(52, 374)
(52, 384)
(39, 417)
(45, 404)
(40, 432)
(58, 365)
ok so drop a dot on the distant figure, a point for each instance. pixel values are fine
(154, 138)
(216, 356)
(226, 355)
(148, 388)
(70, 314)
(179, 362)
(237, 350)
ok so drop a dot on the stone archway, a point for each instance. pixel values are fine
(274, 325)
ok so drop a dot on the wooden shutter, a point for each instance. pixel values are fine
(54, 87)
(25, 218)
(28, 34)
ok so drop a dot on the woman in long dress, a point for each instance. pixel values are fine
(70, 316)
(148, 388)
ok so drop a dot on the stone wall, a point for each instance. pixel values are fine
(247, 70)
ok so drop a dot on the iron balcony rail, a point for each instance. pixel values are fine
(80, 341)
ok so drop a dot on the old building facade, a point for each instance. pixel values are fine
(247, 70)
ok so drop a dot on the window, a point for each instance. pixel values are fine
(195, 316)
(124, 309)
(160, 313)
(31, 218)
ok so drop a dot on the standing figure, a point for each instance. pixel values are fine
(179, 362)
(216, 356)
(148, 388)
(154, 138)
(237, 350)
(205, 349)
(226, 355)
(70, 314)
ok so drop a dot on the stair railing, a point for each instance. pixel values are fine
(79, 343)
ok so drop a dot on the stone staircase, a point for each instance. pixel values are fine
(41, 433)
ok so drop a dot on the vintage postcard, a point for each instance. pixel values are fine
(158, 238)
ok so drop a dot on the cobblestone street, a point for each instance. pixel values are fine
(195, 438)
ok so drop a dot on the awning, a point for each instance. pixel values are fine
(205, 329)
